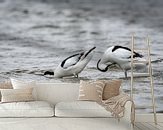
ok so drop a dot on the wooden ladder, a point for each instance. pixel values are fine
(145, 75)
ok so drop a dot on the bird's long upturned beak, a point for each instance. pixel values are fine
(92, 49)
(89, 51)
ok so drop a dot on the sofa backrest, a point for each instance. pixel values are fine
(57, 92)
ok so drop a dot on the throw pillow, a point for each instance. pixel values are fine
(91, 90)
(5, 85)
(16, 95)
(111, 88)
(18, 84)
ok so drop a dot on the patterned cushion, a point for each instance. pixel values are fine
(6, 85)
(16, 95)
(91, 90)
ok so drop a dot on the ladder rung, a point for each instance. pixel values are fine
(140, 49)
(136, 61)
(141, 74)
(143, 107)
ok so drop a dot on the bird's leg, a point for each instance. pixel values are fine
(76, 75)
(126, 74)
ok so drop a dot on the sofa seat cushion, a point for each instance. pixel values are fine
(26, 109)
(80, 109)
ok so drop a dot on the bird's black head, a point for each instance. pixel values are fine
(49, 73)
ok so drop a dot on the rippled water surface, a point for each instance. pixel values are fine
(36, 36)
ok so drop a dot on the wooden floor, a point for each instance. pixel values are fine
(148, 126)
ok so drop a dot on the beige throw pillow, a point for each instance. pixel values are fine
(91, 90)
(6, 85)
(16, 95)
(111, 88)
(18, 84)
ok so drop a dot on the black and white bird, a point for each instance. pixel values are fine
(72, 65)
(121, 56)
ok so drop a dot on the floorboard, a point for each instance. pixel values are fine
(135, 127)
(141, 126)
(158, 125)
(161, 124)
(148, 126)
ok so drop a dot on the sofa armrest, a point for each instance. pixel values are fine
(126, 120)
(127, 112)
(128, 108)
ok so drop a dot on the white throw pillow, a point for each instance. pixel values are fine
(18, 84)
(81, 109)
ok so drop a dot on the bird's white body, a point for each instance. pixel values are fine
(73, 65)
(121, 56)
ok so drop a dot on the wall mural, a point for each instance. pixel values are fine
(46, 40)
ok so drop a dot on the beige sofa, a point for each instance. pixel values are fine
(57, 108)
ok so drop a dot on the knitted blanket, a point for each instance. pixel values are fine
(116, 105)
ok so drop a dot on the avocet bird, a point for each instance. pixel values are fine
(72, 65)
(121, 56)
